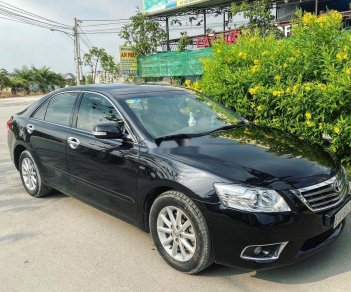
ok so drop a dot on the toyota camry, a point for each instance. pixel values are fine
(206, 183)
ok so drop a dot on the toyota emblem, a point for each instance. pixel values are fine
(338, 186)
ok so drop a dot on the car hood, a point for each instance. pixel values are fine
(255, 156)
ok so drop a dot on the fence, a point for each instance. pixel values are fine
(173, 64)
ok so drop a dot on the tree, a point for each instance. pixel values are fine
(19, 83)
(45, 78)
(92, 59)
(96, 57)
(143, 34)
(109, 67)
(22, 78)
(183, 41)
(4, 79)
(259, 14)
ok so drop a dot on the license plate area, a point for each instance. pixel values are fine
(341, 214)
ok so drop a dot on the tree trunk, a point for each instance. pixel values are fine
(96, 63)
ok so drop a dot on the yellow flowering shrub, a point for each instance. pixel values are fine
(187, 83)
(301, 84)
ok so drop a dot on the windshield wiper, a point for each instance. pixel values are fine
(174, 137)
(228, 127)
(185, 136)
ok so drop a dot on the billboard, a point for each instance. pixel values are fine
(128, 61)
(153, 6)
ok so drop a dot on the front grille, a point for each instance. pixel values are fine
(325, 195)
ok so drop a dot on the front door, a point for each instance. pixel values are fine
(102, 171)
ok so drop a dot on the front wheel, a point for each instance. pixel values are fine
(30, 175)
(180, 233)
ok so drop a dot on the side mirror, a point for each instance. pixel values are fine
(107, 131)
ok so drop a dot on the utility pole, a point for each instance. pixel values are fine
(167, 32)
(76, 51)
(316, 7)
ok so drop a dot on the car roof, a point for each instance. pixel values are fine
(120, 89)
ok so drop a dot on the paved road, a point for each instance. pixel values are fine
(60, 244)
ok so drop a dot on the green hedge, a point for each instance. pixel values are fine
(301, 84)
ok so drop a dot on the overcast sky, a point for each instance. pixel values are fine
(23, 44)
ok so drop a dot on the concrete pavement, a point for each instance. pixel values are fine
(60, 244)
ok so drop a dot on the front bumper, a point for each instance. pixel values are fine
(306, 233)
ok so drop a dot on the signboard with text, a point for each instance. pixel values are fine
(128, 61)
(154, 6)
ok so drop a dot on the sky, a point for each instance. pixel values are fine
(23, 44)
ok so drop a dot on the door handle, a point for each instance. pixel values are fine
(30, 128)
(73, 142)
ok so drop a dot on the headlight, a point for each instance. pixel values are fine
(250, 199)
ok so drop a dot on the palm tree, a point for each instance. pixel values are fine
(46, 79)
(24, 76)
(4, 79)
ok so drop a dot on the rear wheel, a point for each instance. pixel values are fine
(180, 233)
(30, 176)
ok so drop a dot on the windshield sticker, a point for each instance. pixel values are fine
(134, 100)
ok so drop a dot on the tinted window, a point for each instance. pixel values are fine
(60, 108)
(95, 109)
(40, 113)
(180, 112)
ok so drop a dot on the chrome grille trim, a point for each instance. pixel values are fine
(323, 196)
(311, 194)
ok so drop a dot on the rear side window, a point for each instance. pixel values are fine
(95, 109)
(40, 113)
(60, 108)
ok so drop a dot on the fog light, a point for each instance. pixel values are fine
(263, 253)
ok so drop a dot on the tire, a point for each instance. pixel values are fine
(192, 251)
(27, 165)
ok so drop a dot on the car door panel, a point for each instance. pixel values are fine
(49, 148)
(48, 128)
(103, 171)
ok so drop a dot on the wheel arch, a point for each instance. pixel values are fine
(154, 193)
(149, 200)
(19, 148)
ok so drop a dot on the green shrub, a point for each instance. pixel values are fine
(301, 84)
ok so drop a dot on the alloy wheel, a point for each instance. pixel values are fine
(29, 174)
(176, 233)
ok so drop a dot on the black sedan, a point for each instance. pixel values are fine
(208, 185)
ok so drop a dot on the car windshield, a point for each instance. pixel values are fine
(171, 113)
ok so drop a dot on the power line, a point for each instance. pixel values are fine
(28, 22)
(105, 24)
(104, 29)
(110, 20)
(86, 37)
(17, 9)
(102, 32)
(18, 17)
(70, 39)
(85, 43)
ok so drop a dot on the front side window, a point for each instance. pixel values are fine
(60, 108)
(95, 109)
(179, 112)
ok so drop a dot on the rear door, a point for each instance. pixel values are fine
(103, 171)
(49, 126)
